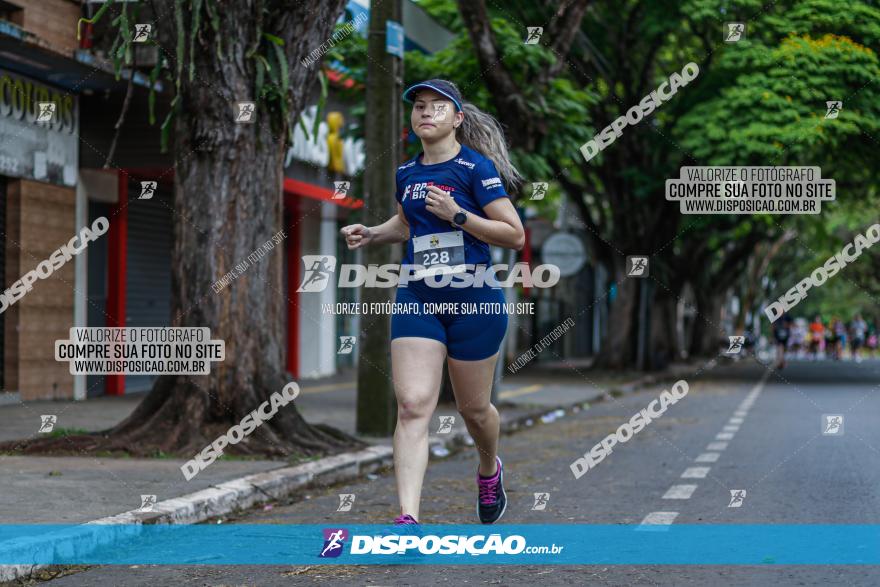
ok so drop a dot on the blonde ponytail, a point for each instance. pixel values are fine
(482, 133)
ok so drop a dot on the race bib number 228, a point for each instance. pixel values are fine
(443, 249)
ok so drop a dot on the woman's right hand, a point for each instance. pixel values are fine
(356, 236)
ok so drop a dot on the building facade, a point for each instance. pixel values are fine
(38, 197)
(58, 177)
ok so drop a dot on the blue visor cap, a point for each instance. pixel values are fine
(438, 85)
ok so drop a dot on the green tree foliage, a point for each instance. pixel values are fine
(759, 101)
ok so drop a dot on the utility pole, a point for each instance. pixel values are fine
(376, 406)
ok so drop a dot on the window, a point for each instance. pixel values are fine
(11, 13)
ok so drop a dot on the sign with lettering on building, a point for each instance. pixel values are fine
(326, 148)
(39, 130)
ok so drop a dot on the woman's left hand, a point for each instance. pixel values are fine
(440, 203)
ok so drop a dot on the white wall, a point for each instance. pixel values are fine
(317, 331)
(80, 283)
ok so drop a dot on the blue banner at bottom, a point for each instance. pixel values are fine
(568, 544)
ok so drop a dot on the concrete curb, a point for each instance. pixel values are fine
(246, 492)
(218, 500)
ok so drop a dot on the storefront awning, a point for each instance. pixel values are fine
(293, 188)
(79, 73)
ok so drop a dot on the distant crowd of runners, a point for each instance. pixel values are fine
(833, 339)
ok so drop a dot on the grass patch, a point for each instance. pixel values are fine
(60, 432)
(297, 458)
(226, 457)
(107, 454)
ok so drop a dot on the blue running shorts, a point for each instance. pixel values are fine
(472, 333)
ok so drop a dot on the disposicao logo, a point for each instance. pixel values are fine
(320, 271)
(451, 544)
(334, 539)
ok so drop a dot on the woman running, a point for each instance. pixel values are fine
(832, 342)
(781, 333)
(451, 205)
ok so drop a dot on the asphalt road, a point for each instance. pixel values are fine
(772, 446)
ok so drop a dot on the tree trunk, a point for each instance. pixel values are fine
(663, 348)
(745, 306)
(227, 184)
(617, 350)
(227, 203)
(707, 323)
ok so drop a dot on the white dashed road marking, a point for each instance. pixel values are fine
(695, 473)
(658, 521)
(662, 520)
(680, 492)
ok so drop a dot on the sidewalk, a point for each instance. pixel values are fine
(82, 489)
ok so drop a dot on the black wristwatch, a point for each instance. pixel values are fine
(459, 218)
